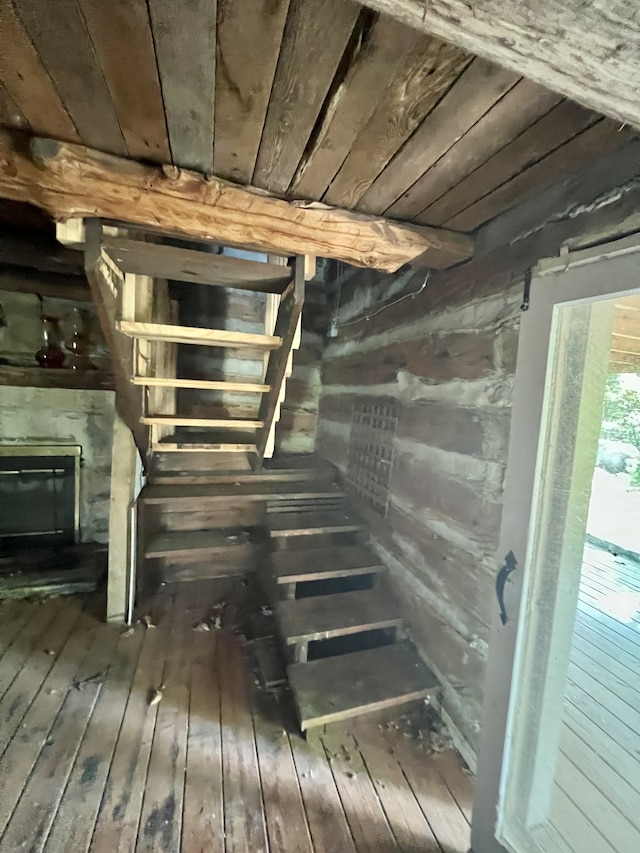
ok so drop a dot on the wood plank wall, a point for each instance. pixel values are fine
(448, 356)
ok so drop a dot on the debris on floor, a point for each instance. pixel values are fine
(426, 728)
(155, 695)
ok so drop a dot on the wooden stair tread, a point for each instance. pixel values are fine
(202, 477)
(324, 616)
(336, 688)
(224, 441)
(323, 563)
(258, 490)
(311, 523)
(190, 265)
(193, 335)
(194, 541)
(201, 423)
(200, 384)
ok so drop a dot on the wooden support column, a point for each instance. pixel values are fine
(125, 477)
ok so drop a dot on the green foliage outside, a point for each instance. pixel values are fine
(621, 416)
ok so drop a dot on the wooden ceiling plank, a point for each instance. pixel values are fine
(550, 132)
(626, 322)
(121, 34)
(248, 46)
(315, 37)
(60, 36)
(586, 51)
(418, 83)
(605, 135)
(621, 345)
(185, 40)
(355, 101)
(521, 107)
(27, 82)
(73, 181)
(474, 93)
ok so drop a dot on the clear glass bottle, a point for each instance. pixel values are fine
(50, 353)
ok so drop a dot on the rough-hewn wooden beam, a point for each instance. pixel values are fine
(587, 51)
(71, 180)
(56, 285)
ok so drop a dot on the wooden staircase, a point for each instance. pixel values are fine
(341, 628)
(215, 504)
(131, 277)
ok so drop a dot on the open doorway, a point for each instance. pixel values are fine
(569, 778)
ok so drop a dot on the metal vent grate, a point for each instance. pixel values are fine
(373, 431)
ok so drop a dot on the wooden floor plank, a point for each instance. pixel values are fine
(30, 637)
(23, 749)
(161, 816)
(212, 767)
(408, 823)
(27, 683)
(445, 818)
(244, 822)
(79, 806)
(287, 825)
(460, 784)
(32, 819)
(368, 823)
(119, 815)
(203, 821)
(327, 821)
(13, 615)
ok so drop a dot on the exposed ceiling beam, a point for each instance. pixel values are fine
(589, 52)
(55, 285)
(70, 180)
(37, 252)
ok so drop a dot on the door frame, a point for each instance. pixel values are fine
(553, 283)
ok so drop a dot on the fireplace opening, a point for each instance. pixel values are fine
(39, 496)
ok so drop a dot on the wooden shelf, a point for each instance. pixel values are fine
(42, 377)
(193, 335)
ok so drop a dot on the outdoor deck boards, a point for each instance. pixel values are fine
(87, 765)
(600, 738)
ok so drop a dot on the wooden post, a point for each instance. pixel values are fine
(125, 481)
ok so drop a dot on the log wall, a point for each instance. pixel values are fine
(447, 355)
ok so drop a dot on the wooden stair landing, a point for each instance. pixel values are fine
(198, 267)
(305, 620)
(336, 688)
(323, 564)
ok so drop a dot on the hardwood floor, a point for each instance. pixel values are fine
(87, 763)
